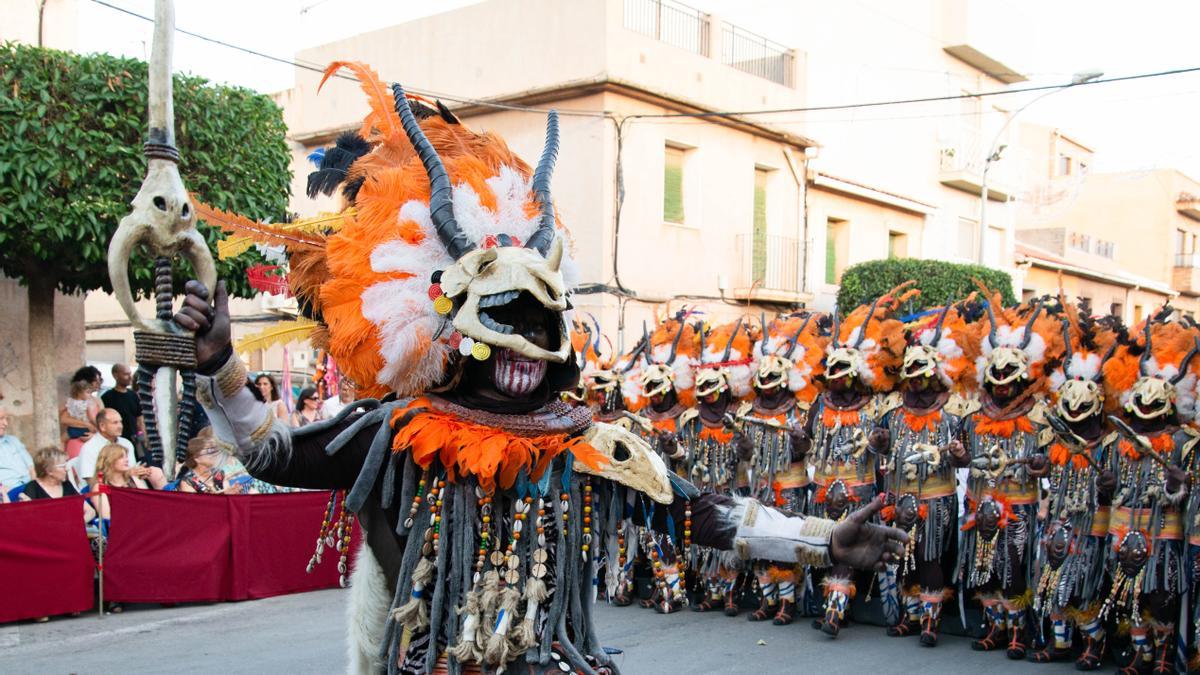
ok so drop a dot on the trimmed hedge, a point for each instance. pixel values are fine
(936, 279)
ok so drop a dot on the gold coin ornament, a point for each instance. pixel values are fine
(443, 305)
(481, 351)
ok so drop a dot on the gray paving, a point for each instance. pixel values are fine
(303, 634)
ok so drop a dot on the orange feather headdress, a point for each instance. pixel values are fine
(793, 343)
(1024, 333)
(946, 332)
(876, 335)
(1164, 352)
(726, 349)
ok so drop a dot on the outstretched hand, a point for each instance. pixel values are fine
(210, 322)
(864, 545)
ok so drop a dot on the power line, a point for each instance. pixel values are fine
(714, 114)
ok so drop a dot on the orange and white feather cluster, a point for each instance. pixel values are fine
(806, 358)
(738, 364)
(1170, 343)
(1045, 344)
(883, 337)
(957, 347)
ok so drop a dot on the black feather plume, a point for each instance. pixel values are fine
(450, 117)
(336, 162)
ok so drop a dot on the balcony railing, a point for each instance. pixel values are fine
(754, 54)
(768, 263)
(962, 159)
(1190, 260)
(671, 22)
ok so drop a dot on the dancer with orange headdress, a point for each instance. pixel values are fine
(922, 424)
(710, 443)
(483, 497)
(1155, 464)
(787, 363)
(864, 351)
(1006, 458)
(1070, 566)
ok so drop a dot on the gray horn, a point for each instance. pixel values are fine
(544, 235)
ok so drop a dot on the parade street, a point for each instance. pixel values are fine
(303, 634)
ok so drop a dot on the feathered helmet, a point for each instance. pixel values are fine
(598, 370)
(628, 367)
(584, 344)
(869, 342)
(788, 354)
(1016, 343)
(724, 360)
(1078, 383)
(444, 233)
(670, 360)
(939, 346)
(1155, 380)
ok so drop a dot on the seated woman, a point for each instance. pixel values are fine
(112, 467)
(211, 469)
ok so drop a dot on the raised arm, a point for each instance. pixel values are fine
(269, 449)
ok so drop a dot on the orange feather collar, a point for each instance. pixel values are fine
(495, 457)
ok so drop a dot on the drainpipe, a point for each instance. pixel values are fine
(799, 176)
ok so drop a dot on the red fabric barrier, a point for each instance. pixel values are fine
(173, 547)
(46, 565)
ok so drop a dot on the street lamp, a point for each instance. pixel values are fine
(996, 149)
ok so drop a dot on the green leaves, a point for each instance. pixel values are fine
(71, 133)
(936, 279)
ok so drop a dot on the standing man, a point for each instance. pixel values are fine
(16, 466)
(123, 399)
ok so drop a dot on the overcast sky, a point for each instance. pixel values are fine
(1132, 125)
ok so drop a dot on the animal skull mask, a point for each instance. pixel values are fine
(631, 462)
(1152, 397)
(1006, 365)
(1079, 399)
(920, 361)
(844, 362)
(772, 372)
(711, 381)
(494, 277)
(657, 380)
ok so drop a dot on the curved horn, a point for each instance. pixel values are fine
(937, 334)
(762, 320)
(796, 338)
(987, 304)
(837, 326)
(441, 207)
(1183, 365)
(702, 331)
(596, 323)
(1145, 354)
(1037, 309)
(1066, 331)
(646, 341)
(729, 345)
(862, 331)
(1107, 355)
(544, 234)
(675, 344)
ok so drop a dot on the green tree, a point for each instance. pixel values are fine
(937, 280)
(71, 133)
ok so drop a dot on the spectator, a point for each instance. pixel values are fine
(16, 466)
(210, 469)
(108, 431)
(270, 393)
(114, 465)
(334, 405)
(123, 399)
(76, 416)
(308, 408)
(50, 467)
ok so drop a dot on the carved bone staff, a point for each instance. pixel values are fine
(163, 221)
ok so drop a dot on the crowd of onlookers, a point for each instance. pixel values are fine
(103, 443)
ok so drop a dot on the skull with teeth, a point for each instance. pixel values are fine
(1154, 395)
(488, 286)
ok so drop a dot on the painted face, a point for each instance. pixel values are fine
(517, 375)
(1079, 399)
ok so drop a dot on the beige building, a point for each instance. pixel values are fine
(1123, 242)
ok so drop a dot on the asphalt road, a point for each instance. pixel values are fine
(303, 634)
